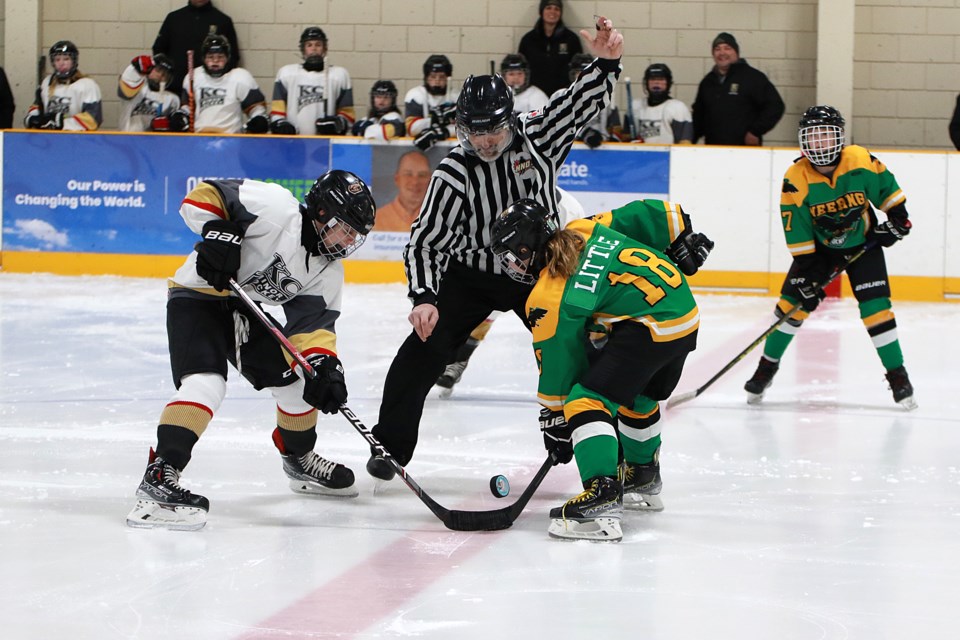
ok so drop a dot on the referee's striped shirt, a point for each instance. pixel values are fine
(466, 194)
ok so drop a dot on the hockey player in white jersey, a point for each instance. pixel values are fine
(312, 97)
(282, 253)
(602, 128)
(146, 104)
(516, 73)
(225, 100)
(66, 99)
(430, 109)
(661, 119)
(383, 121)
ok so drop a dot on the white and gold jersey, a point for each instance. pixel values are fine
(141, 104)
(219, 104)
(79, 101)
(302, 97)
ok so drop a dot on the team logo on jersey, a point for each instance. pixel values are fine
(275, 283)
(147, 107)
(522, 165)
(309, 94)
(535, 315)
(58, 104)
(839, 217)
(212, 97)
(788, 187)
(648, 128)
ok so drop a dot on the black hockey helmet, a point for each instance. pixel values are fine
(162, 62)
(658, 70)
(485, 109)
(314, 62)
(821, 135)
(312, 33)
(383, 88)
(65, 48)
(215, 43)
(578, 63)
(437, 62)
(343, 210)
(520, 235)
(516, 62)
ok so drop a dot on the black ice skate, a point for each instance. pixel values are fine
(378, 467)
(593, 515)
(642, 485)
(762, 378)
(901, 388)
(162, 502)
(314, 475)
(454, 371)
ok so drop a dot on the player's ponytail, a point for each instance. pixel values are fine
(563, 253)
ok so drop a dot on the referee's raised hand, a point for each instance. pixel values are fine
(607, 43)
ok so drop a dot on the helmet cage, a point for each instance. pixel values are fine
(343, 210)
(519, 237)
(821, 143)
(516, 62)
(485, 109)
(215, 43)
(65, 48)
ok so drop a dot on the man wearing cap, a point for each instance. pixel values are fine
(736, 104)
(549, 47)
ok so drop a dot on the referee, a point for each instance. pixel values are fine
(454, 278)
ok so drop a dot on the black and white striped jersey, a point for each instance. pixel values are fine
(466, 194)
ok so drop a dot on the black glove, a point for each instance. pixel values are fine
(810, 297)
(257, 125)
(690, 251)
(556, 435)
(332, 126)
(443, 114)
(218, 254)
(430, 136)
(328, 390)
(360, 126)
(179, 121)
(283, 127)
(592, 138)
(45, 121)
(887, 233)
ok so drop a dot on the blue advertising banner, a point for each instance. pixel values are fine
(120, 193)
(632, 170)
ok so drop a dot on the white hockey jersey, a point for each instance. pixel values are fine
(220, 103)
(275, 267)
(79, 101)
(530, 99)
(667, 123)
(302, 96)
(140, 103)
(386, 127)
(416, 109)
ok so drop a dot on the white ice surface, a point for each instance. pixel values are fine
(825, 512)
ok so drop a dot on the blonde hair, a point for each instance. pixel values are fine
(562, 252)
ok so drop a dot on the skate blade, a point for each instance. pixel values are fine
(908, 403)
(754, 398)
(310, 488)
(148, 514)
(446, 392)
(641, 502)
(598, 529)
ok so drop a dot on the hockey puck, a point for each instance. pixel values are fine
(499, 486)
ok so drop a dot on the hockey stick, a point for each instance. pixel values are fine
(632, 124)
(451, 518)
(191, 102)
(690, 395)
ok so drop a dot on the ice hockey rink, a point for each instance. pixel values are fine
(827, 512)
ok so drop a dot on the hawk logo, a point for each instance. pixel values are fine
(275, 282)
(535, 315)
(788, 187)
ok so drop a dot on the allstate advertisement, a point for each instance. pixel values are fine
(116, 193)
(120, 193)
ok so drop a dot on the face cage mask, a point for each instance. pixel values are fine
(516, 268)
(338, 231)
(821, 143)
(491, 154)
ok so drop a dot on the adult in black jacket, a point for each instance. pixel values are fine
(549, 47)
(7, 106)
(736, 104)
(185, 29)
(955, 125)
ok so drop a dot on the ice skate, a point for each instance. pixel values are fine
(901, 388)
(593, 515)
(642, 485)
(163, 503)
(762, 378)
(313, 475)
(450, 377)
(378, 467)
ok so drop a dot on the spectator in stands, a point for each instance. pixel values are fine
(735, 104)
(66, 99)
(549, 48)
(184, 30)
(7, 106)
(412, 178)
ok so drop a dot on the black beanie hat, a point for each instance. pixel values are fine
(726, 38)
(545, 3)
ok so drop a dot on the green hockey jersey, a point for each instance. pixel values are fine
(622, 276)
(834, 212)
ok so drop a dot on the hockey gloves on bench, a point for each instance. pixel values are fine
(690, 251)
(556, 435)
(218, 254)
(328, 390)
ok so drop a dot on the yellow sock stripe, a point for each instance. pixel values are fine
(886, 315)
(582, 405)
(296, 422)
(189, 415)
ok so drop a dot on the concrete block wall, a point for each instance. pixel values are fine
(907, 52)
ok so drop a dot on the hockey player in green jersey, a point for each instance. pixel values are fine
(825, 206)
(613, 320)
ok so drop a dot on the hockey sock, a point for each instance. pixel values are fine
(640, 430)
(175, 444)
(877, 316)
(597, 453)
(294, 442)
